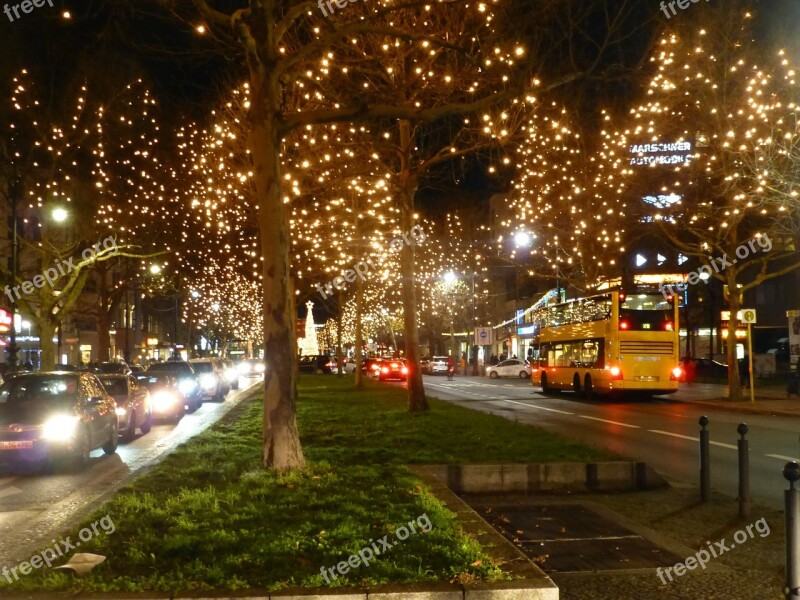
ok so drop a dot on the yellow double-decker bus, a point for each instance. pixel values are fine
(608, 343)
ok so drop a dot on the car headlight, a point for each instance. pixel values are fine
(121, 412)
(243, 368)
(232, 375)
(259, 368)
(60, 428)
(186, 386)
(164, 400)
(207, 380)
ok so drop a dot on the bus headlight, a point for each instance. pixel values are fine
(60, 428)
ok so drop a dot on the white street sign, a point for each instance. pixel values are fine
(484, 336)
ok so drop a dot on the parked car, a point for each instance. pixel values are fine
(188, 383)
(513, 367)
(350, 366)
(231, 373)
(213, 383)
(133, 404)
(439, 365)
(165, 398)
(251, 367)
(55, 416)
(393, 368)
(319, 363)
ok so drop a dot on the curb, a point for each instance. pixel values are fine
(610, 476)
(751, 410)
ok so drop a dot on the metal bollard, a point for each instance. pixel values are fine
(744, 472)
(705, 469)
(791, 471)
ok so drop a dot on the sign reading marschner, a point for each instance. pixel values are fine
(660, 153)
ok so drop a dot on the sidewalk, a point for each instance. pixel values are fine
(769, 399)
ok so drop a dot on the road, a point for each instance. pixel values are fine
(34, 507)
(660, 432)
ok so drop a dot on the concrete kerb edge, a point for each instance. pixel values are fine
(533, 583)
(722, 404)
(604, 476)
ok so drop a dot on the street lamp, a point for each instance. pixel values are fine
(59, 214)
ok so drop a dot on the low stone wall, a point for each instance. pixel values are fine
(614, 476)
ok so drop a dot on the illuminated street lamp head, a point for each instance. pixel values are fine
(60, 214)
(703, 275)
(450, 277)
(155, 269)
(523, 239)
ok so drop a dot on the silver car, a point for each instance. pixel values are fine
(439, 365)
(134, 410)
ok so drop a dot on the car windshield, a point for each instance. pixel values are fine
(115, 386)
(203, 367)
(111, 368)
(57, 391)
(155, 381)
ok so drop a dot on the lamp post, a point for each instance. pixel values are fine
(13, 349)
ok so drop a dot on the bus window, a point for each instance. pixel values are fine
(646, 312)
(591, 354)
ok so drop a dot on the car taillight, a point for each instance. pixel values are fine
(668, 326)
(404, 370)
(624, 325)
(615, 371)
(385, 370)
(395, 366)
(676, 373)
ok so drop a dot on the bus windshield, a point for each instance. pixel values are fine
(645, 312)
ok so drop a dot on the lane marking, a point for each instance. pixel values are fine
(781, 457)
(607, 421)
(677, 435)
(562, 412)
(10, 491)
(723, 445)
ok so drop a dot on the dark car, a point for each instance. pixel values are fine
(188, 382)
(213, 383)
(55, 416)
(165, 399)
(133, 404)
(703, 368)
(393, 368)
(319, 363)
(112, 368)
(371, 366)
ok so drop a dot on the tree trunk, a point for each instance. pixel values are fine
(103, 316)
(416, 391)
(339, 353)
(282, 448)
(47, 331)
(359, 331)
(734, 384)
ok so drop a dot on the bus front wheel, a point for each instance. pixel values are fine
(545, 389)
(588, 389)
(576, 385)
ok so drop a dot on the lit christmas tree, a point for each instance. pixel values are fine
(308, 344)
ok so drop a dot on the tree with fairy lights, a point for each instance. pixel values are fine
(306, 68)
(729, 115)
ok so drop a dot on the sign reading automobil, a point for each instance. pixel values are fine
(5, 321)
(661, 153)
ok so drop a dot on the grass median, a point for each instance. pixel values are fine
(208, 517)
